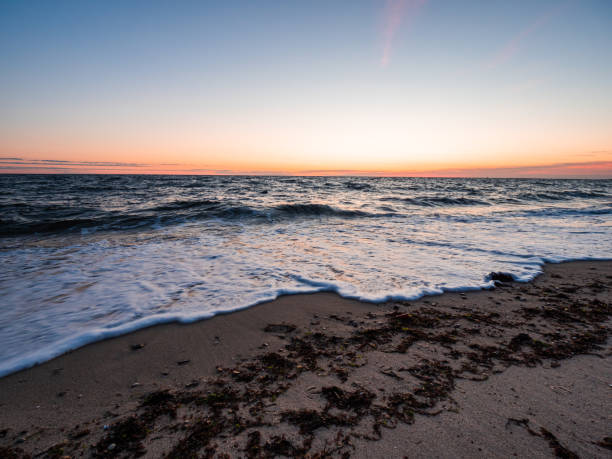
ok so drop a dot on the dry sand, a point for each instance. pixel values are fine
(523, 370)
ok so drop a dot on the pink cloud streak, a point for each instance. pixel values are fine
(395, 12)
(514, 45)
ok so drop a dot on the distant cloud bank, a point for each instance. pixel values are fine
(579, 169)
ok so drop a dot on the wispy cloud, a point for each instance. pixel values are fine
(587, 169)
(350, 172)
(595, 153)
(61, 166)
(578, 169)
(396, 12)
(235, 172)
(506, 52)
(61, 162)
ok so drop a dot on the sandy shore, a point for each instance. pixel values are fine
(523, 370)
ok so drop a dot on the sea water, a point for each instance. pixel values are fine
(85, 257)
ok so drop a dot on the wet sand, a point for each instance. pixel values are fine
(523, 369)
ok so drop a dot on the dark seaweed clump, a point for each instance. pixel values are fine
(124, 436)
(13, 453)
(559, 450)
(199, 437)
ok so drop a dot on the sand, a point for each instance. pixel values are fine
(524, 370)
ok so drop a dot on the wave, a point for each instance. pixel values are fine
(358, 186)
(559, 195)
(317, 210)
(565, 211)
(59, 219)
(435, 201)
(23, 219)
(491, 198)
(188, 204)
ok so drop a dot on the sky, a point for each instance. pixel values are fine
(487, 88)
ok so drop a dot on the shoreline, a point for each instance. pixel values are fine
(92, 337)
(103, 383)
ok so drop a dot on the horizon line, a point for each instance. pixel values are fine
(186, 174)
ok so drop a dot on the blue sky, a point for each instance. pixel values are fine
(286, 86)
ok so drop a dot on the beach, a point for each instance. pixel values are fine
(305, 229)
(520, 369)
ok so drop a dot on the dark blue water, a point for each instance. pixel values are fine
(56, 203)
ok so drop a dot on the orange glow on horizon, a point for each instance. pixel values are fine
(596, 164)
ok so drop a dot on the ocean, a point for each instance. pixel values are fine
(87, 257)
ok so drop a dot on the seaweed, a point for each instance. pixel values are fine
(310, 420)
(519, 340)
(438, 380)
(219, 400)
(280, 446)
(372, 337)
(79, 434)
(559, 450)
(279, 328)
(605, 443)
(124, 436)
(57, 451)
(357, 401)
(275, 363)
(500, 277)
(199, 436)
(159, 403)
(253, 448)
(304, 351)
(13, 453)
(415, 319)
